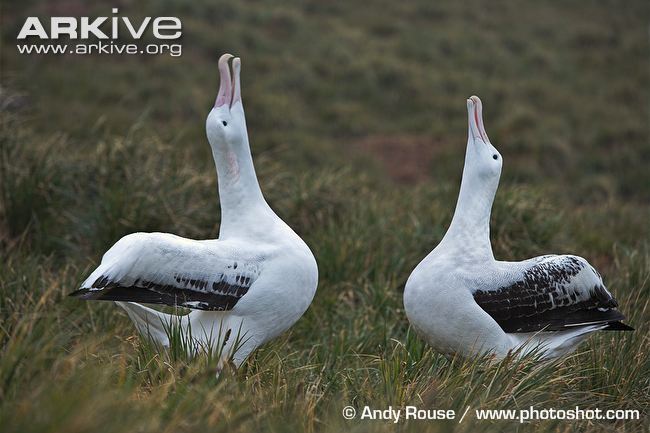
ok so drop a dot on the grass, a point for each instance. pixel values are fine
(94, 148)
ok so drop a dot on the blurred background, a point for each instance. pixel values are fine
(357, 120)
(375, 92)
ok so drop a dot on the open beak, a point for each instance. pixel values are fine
(236, 82)
(225, 84)
(229, 88)
(475, 118)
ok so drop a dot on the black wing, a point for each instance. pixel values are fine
(556, 293)
(214, 294)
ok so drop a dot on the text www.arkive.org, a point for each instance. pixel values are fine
(100, 35)
(100, 47)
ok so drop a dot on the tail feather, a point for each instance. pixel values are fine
(557, 343)
(148, 321)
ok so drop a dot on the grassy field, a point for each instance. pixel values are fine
(357, 121)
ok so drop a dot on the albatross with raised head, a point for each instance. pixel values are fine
(463, 301)
(254, 281)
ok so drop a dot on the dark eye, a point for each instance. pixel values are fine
(495, 156)
(226, 124)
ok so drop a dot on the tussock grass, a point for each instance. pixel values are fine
(92, 149)
(75, 363)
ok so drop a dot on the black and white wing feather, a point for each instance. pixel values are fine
(554, 293)
(159, 268)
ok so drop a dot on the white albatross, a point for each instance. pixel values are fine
(254, 281)
(463, 301)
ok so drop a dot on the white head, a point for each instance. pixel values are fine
(226, 124)
(469, 231)
(482, 160)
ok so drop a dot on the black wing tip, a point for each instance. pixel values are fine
(118, 293)
(618, 326)
(559, 320)
(173, 298)
(86, 294)
(79, 293)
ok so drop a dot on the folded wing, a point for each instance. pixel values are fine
(159, 268)
(554, 293)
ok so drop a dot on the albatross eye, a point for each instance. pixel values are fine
(495, 156)
(226, 124)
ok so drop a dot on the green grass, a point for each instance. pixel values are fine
(93, 148)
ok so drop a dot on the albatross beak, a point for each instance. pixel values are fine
(225, 84)
(236, 81)
(475, 117)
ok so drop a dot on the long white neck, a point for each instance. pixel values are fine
(240, 195)
(469, 231)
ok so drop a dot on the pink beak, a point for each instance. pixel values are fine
(225, 84)
(476, 118)
(229, 89)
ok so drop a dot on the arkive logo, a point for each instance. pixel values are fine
(107, 31)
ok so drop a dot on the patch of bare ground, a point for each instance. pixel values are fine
(406, 158)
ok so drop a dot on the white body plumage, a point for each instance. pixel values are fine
(246, 287)
(463, 301)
